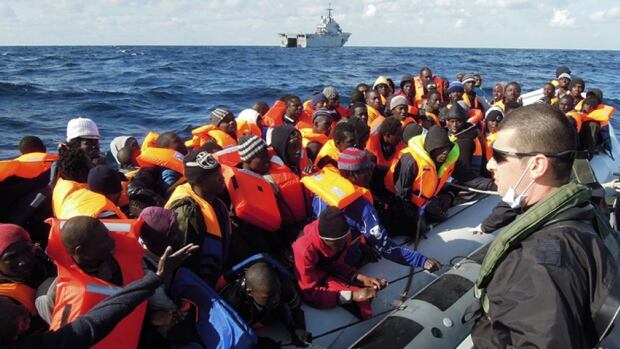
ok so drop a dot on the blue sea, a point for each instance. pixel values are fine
(131, 90)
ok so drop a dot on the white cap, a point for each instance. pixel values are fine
(564, 75)
(82, 128)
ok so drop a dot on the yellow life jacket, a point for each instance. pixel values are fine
(373, 114)
(150, 141)
(500, 104)
(28, 166)
(334, 189)
(80, 201)
(310, 136)
(429, 181)
(578, 117)
(208, 214)
(602, 114)
(328, 150)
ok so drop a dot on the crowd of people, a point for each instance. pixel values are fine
(256, 214)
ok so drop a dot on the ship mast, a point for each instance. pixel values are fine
(329, 11)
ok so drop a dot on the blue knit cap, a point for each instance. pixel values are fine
(456, 86)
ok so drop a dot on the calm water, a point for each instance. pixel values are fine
(130, 90)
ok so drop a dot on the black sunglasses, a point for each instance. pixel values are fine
(502, 155)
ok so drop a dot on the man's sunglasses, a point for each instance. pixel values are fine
(502, 155)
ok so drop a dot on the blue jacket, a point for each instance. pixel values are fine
(362, 216)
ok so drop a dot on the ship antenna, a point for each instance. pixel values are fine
(329, 10)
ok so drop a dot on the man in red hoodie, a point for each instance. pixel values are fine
(325, 279)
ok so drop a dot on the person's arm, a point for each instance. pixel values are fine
(168, 178)
(404, 176)
(368, 224)
(310, 281)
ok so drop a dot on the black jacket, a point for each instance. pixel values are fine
(543, 293)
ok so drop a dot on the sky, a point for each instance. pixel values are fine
(561, 24)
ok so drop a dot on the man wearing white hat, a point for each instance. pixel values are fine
(83, 133)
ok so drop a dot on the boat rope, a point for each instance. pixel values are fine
(473, 190)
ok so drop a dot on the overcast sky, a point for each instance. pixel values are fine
(579, 24)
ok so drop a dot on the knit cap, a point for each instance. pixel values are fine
(411, 130)
(317, 98)
(468, 78)
(455, 86)
(564, 75)
(436, 138)
(353, 159)
(595, 92)
(159, 224)
(330, 92)
(10, 234)
(494, 114)
(330, 114)
(380, 80)
(406, 78)
(398, 100)
(249, 115)
(218, 115)
(249, 146)
(561, 70)
(332, 224)
(199, 163)
(82, 128)
(104, 180)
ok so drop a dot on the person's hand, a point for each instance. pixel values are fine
(169, 262)
(308, 170)
(368, 281)
(301, 337)
(431, 264)
(364, 294)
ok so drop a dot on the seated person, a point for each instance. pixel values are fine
(548, 95)
(429, 115)
(343, 138)
(31, 144)
(203, 219)
(107, 182)
(386, 141)
(359, 110)
(355, 166)
(314, 138)
(121, 142)
(262, 297)
(23, 268)
(324, 278)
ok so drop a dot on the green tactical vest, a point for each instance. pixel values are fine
(566, 197)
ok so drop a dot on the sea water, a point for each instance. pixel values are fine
(132, 90)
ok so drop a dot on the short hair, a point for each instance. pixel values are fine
(78, 230)
(549, 84)
(426, 69)
(262, 277)
(31, 144)
(290, 98)
(569, 98)
(361, 128)
(164, 139)
(538, 127)
(356, 97)
(515, 84)
(432, 93)
(340, 130)
(358, 105)
(74, 164)
(362, 85)
(390, 126)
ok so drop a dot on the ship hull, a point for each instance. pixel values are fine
(313, 40)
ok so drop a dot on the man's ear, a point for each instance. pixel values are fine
(539, 167)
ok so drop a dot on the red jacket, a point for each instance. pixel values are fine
(314, 263)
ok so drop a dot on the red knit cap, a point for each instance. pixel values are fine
(353, 159)
(10, 234)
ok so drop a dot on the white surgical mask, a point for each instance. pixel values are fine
(517, 201)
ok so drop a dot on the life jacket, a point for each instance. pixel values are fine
(334, 189)
(429, 181)
(228, 156)
(602, 114)
(374, 145)
(564, 198)
(289, 192)
(475, 104)
(372, 114)
(80, 201)
(328, 150)
(500, 104)
(124, 199)
(217, 323)
(475, 116)
(342, 111)
(207, 133)
(310, 136)
(579, 105)
(28, 166)
(578, 117)
(477, 155)
(168, 158)
(208, 213)
(253, 198)
(419, 88)
(150, 141)
(244, 128)
(62, 190)
(77, 292)
(433, 117)
(412, 110)
(305, 120)
(489, 145)
(22, 293)
(275, 115)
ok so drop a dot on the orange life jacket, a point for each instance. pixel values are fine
(253, 198)
(475, 116)
(124, 199)
(210, 133)
(245, 128)
(602, 114)
(429, 181)
(310, 136)
(328, 150)
(412, 110)
(289, 191)
(342, 111)
(305, 120)
(78, 292)
(434, 118)
(208, 214)
(419, 88)
(374, 145)
(27, 166)
(168, 158)
(62, 190)
(22, 293)
(80, 201)
(475, 104)
(334, 189)
(275, 115)
(578, 117)
(150, 141)
(372, 114)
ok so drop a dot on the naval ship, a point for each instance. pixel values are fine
(328, 34)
